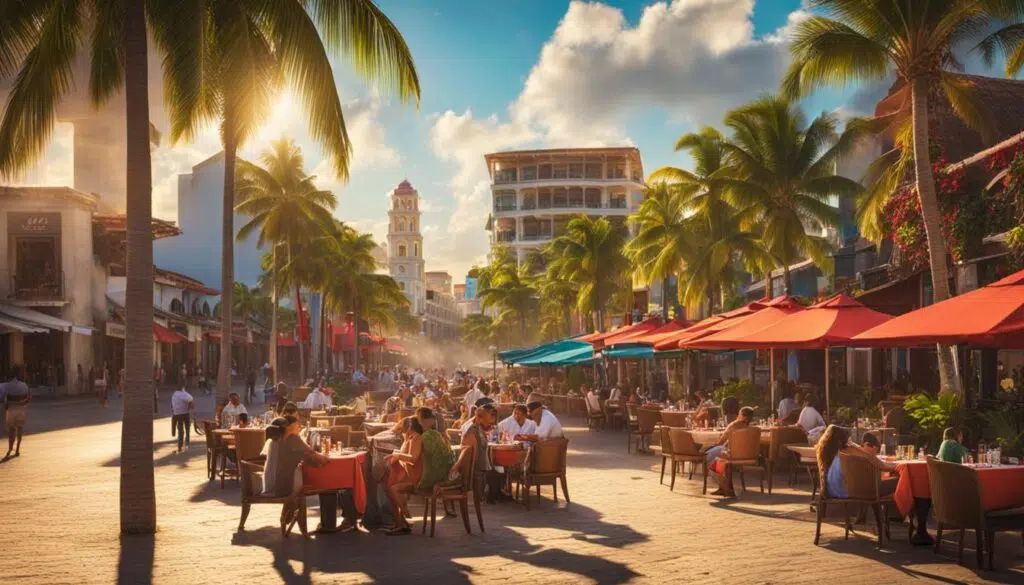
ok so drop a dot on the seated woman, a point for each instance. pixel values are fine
(438, 457)
(406, 472)
(836, 440)
(285, 449)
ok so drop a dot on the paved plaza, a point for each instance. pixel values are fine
(59, 515)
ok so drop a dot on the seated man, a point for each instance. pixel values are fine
(547, 423)
(230, 411)
(811, 420)
(593, 400)
(319, 399)
(720, 467)
(952, 450)
(518, 424)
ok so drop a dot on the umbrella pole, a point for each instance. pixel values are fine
(771, 378)
(826, 383)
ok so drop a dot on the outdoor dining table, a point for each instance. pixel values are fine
(1001, 486)
(506, 454)
(343, 471)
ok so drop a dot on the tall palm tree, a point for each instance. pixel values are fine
(784, 177)
(865, 40)
(590, 254)
(283, 205)
(39, 44)
(510, 289)
(242, 51)
(477, 329)
(661, 242)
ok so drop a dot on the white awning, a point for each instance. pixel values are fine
(6, 323)
(36, 318)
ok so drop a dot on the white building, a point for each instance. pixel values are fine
(537, 192)
(197, 252)
(405, 246)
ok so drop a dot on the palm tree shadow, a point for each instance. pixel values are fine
(443, 557)
(135, 561)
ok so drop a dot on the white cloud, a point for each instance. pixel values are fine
(693, 58)
(56, 166)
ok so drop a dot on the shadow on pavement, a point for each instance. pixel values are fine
(444, 558)
(135, 562)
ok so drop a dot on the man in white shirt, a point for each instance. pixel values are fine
(787, 406)
(593, 400)
(182, 405)
(319, 398)
(518, 425)
(472, 396)
(231, 410)
(616, 394)
(419, 379)
(811, 420)
(547, 423)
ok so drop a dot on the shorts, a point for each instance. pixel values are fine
(16, 416)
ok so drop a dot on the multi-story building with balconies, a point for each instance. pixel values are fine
(536, 192)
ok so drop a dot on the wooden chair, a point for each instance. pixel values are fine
(545, 464)
(353, 421)
(777, 452)
(956, 503)
(300, 394)
(213, 448)
(673, 419)
(252, 488)
(666, 451)
(249, 443)
(341, 435)
(646, 420)
(559, 404)
(743, 453)
(685, 450)
(595, 418)
(632, 425)
(862, 487)
(456, 492)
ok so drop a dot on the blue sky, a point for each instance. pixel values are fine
(520, 74)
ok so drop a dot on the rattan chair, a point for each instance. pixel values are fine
(646, 421)
(545, 465)
(595, 418)
(956, 503)
(252, 488)
(249, 443)
(862, 487)
(213, 448)
(666, 451)
(685, 450)
(777, 452)
(632, 425)
(457, 492)
(341, 435)
(821, 508)
(743, 453)
(299, 394)
(673, 418)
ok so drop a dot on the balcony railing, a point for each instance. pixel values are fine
(617, 204)
(537, 236)
(505, 236)
(499, 180)
(530, 206)
(504, 206)
(36, 287)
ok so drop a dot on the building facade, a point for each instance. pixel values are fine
(405, 246)
(536, 192)
(441, 318)
(197, 252)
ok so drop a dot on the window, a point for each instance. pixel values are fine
(576, 171)
(401, 225)
(560, 172)
(505, 176)
(412, 225)
(401, 269)
(176, 306)
(401, 250)
(593, 198)
(35, 239)
(593, 171)
(206, 308)
(544, 171)
(529, 174)
(416, 250)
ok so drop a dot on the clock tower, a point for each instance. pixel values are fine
(405, 245)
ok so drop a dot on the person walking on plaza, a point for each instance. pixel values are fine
(250, 385)
(182, 405)
(16, 396)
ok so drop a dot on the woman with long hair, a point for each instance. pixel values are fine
(406, 471)
(832, 441)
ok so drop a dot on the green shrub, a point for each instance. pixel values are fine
(743, 390)
(933, 415)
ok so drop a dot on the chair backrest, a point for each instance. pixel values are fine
(299, 394)
(682, 442)
(782, 436)
(321, 421)
(631, 411)
(354, 421)
(454, 436)
(859, 477)
(340, 434)
(647, 419)
(467, 470)
(548, 457)
(248, 474)
(673, 419)
(249, 443)
(956, 494)
(211, 437)
(745, 443)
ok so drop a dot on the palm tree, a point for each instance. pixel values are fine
(39, 44)
(784, 177)
(557, 299)
(477, 329)
(284, 205)
(510, 289)
(239, 52)
(866, 40)
(661, 242)
(590, 254)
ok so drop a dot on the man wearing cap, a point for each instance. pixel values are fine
(547, 423)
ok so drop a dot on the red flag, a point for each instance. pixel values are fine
(303, 323)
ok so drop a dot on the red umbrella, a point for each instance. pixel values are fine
(599, 339)
(649, 336)
(989, 316)
(673, 340)
(830, 323)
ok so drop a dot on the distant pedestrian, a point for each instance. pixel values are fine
(16, 396)
(182, 405)
(250, 385)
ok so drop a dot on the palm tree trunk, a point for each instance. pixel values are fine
(227, 259)
(664, 297)
(768, 284)
(301, 342)
(355, 344)
(137, 493)
(273, 313)
(931, 215)
(323, 332)
(787, 287)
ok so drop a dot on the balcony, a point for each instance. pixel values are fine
(617, 204)
(35, 287)
(559, 205)
(500, 206)
(505, 237)
(536, 237)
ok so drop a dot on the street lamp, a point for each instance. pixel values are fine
(494, 362)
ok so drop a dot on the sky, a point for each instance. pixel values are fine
(520, 74)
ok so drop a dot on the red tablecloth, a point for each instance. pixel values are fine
(506, 457)
(1001, 487)
(343, 472)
